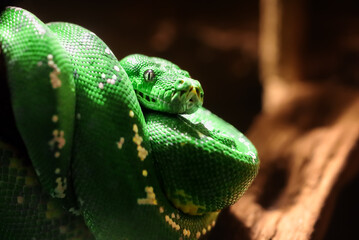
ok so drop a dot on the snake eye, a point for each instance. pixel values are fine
(149, 75)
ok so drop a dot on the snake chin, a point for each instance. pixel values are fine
(186, 101)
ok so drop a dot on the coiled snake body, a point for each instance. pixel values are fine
(80, 159)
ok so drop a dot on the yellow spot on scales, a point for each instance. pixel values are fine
(59, 191)
(172, 223)
(142, 152)
(150, 198)
(186, 233)
(54, 75)
(135, 128)
(161, 209)
(137, 139)
(131, 114)
(55, 118)
(20, 199)
(144, 173)
(120, 143)
(58, 137)
(198, 235)
(184, 202)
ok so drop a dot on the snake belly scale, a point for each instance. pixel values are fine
(81, 158)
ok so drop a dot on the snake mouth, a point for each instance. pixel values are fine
(181, 101)
(187, 101)
(145, 97)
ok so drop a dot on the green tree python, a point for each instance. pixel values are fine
(96, 148)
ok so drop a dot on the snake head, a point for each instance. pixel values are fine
(161, 85)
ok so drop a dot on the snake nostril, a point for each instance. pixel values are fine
(180, 83)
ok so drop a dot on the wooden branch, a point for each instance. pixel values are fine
(307, 137)
(307, 155)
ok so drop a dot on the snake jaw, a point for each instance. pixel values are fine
(185, 101)
(187, 97)
(193, 100)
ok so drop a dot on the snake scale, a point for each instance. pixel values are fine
(96, 148)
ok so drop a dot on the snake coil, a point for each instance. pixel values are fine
(79, 159)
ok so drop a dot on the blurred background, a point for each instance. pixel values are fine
(218, 43)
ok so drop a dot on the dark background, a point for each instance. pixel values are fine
(217, 42)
